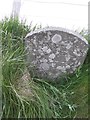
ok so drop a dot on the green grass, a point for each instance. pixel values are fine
(69, 99)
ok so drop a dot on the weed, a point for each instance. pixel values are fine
(48, 100)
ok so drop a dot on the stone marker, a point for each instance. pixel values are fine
(53, 52)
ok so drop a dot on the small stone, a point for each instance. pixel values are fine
(45, 48)
(56, 38)
(63, 69)
(68, 46)
(57, 53)
(67, 57)
(35, 43)
(59, 67)
(43, 60)
(76, 39)
(53, 64)
(50, 60)
(58, 49)
(68, 67)
(76, 53)
(49, 50)
(78, 64)
(52, 56)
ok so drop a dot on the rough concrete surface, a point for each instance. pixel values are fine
(51, 52)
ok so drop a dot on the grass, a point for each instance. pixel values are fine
(44, 100)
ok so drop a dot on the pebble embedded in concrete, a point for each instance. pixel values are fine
(56, 38)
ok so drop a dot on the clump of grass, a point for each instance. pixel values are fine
(48, 100)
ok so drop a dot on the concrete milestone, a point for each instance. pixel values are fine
(53, 52)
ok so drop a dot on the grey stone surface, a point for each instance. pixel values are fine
(54, 51)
